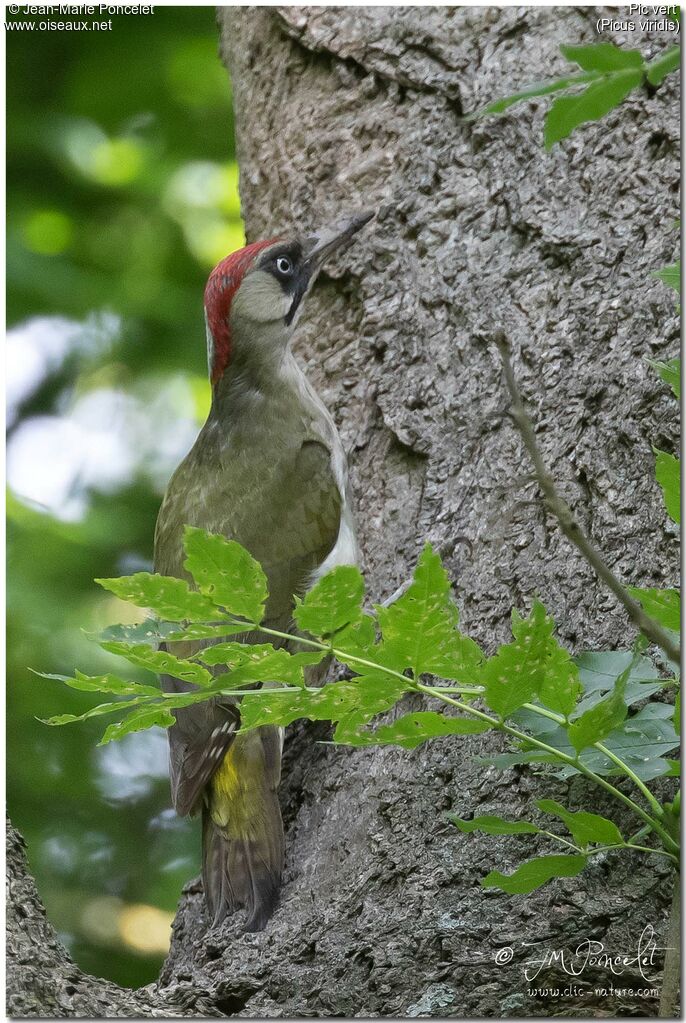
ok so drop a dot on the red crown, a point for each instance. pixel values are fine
(223, 283)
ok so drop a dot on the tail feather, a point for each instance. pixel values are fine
(243, 855)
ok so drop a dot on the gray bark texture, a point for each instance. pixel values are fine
(43, 982)
(477, 227)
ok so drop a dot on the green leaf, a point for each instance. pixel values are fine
(535, 89)
(281, 708)
(260, 662)
(561, 687)
(603, 57)
(169, 598)
(504, 761)
(585, 828)
(161, 662)
(137, 721)
(226, 573)
(495, 826)
(670, 275)
(670, 372)
(568, 112)
(598, 671)
(153, 632)
(235, 654)
(530, 666)
(356, 641)
(419, 630)
(642, 741)
(103, 684)
(193, 632)
(535, 873)
(597, 722)
(334, 602)
(411, 730)
(362, 698)
(659, 68)
(662, 605)
(102, 708)
(667, 474)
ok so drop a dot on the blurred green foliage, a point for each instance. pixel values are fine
(121, 194)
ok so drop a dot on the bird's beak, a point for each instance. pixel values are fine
(320, 246)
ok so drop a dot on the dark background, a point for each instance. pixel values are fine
(121, 195)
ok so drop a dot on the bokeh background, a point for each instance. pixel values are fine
(121, 195)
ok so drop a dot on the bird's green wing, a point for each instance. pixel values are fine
(288, 517)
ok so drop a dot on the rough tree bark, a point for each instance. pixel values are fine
(341, 108)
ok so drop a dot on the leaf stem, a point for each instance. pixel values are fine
(647, 849)
(655, 825)
(564, 841)
(441, 694)
(340, 655)
(602, 748)
(653, 802)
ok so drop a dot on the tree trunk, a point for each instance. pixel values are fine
(44, 983)
(345, 108)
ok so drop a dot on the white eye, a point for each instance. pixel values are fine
(284, 266)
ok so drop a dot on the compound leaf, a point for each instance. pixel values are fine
(360, 699)
(260, 662)
(356, 641)
(98, 711)
(154, 632)
(151, 631)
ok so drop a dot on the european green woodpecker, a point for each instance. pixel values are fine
(268, 470)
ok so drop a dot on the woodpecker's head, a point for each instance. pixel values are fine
(253, 297)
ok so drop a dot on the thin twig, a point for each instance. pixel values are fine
(568, 524)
